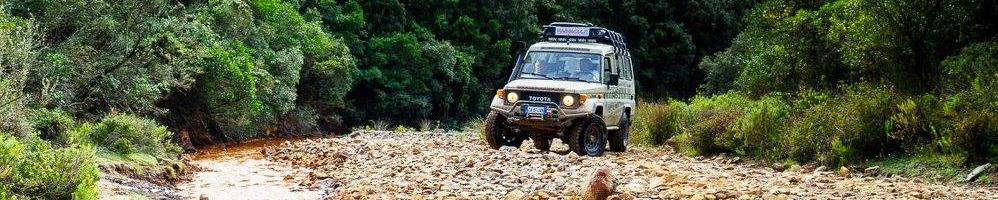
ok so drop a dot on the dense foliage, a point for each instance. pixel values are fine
(233, 69)
(835, 81)
(841, 82)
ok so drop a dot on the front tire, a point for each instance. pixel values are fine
(588, 137)
(618, 138)
(497, 134)
(543, 144)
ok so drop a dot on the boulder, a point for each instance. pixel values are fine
(844, 172)
(779, 167)
(623, 196)
(821, 169)
(976, 172)
(871, 171)
(600, 185)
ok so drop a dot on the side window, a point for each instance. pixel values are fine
(607, 68)
(626, 70)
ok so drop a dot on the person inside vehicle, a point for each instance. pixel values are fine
(590, 71)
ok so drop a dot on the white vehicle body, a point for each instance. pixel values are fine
(576, 84)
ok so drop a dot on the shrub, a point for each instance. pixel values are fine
(808, 135)
(34, 169)
(52, 124)
(720, 71)
(757, 131)
(655, 122)
(843, 130)
(133, 134)
(973, 124)
(706, 125)
(971, 81)
(910, 123)
(19, 40)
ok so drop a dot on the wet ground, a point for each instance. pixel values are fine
(239, 171)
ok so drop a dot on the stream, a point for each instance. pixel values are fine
(239, 171)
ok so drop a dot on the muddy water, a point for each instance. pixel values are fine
(239, 171)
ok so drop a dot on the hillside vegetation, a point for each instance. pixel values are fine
(828, 81)
(846, 82)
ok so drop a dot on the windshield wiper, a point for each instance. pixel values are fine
(571, 78)
(537, 75)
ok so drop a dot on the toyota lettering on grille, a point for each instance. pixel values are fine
(546, 99)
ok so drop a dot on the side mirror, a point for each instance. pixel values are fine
(614, 79)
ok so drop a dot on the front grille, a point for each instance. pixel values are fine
(540, 96)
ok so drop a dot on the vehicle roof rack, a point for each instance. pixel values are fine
(578, 32)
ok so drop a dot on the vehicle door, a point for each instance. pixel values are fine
(611, 106)
(626, 85)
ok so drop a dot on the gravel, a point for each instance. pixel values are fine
(448, 165)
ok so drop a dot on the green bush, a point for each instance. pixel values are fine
(52, 124)
(707, 124)
(843, 130)
(36, 170)
(655, 122)
(972, 125)
(757, 131)
(971, 80)
(808, 135)
(133, 134)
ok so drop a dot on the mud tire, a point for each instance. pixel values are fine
(618, 138)
(588, 137)
(497, 134)
(543, 144)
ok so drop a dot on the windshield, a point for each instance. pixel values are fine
(561, 66)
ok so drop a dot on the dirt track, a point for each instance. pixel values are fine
(384, 165)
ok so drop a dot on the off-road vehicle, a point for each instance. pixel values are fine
(575, 84)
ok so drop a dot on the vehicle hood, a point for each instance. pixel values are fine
(555, 86)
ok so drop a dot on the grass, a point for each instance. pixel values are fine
(135, 159)
(932, 137)
(932, 166)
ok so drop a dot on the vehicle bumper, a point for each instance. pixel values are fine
(554, 117)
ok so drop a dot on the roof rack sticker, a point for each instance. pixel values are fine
(577, 32)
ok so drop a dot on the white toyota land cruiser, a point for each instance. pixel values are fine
(576, 84)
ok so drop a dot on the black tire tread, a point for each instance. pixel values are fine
(575, 135)
(617, 138)
(489, 132)
(542, 144)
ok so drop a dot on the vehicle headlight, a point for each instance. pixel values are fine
(568, 100)
(512, 97)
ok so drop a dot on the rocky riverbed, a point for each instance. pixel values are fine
(448, 165)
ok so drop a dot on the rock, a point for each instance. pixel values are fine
(795, 168)
(600, 185)
(844, 172)
(623, 196)
(871, 171)
(539, 195)
(203, 197)
(735, 160)
(508, 149)
(821, 169)
(515, 195)
(794, 179)
(976, 172)
(779, 167)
